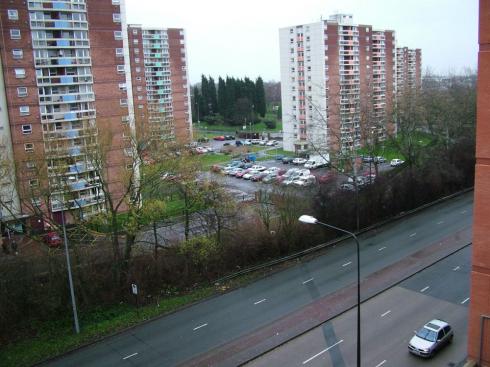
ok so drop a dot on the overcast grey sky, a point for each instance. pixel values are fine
(235, 38)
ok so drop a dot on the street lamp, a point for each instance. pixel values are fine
(312, 220)
(70, 280)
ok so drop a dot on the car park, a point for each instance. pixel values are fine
(242, 172)
(219, 138)
(430, 338)
(287, 160)
(272, 169)
(396, 162)
(299, 161)
(270, 178)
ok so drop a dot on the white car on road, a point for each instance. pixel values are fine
(299, 161)
(396, 162)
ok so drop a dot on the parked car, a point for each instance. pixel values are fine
(327, 177)
(396, 162)
(234, 171)
(258, 176)
(270, 178)
(299, 161)
(201, 150)
(226, 144)
(279, 157)
(430, 338)
(259, 168)
(255, 141)
(305, 181)
(287, 160)
(219, 138)
(247, 142)
(367, 159)
(263, 142)
(249, 174)
(347, 187)
(229, 137)
(239, 143)
(271, 143)
(379, 159)
(272, 169)
(52, 239)
(361, 181)
(242, 173)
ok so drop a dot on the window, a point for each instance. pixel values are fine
(20, 73)
(29, 147)
(367, 39)
(30, 165)
(138, 69)
(120, 69)
(13, 14)
(136, 51)
(21, 92)
(135, 31)
(34, 183)
(122, 86)
(15, 34)
(136, 41)
(118, 35)
(119, 52)
(116, 2)
(140, 98)
(36, 202)
(125, 119)
(17, 53)
(116, 18)
(367, 30)
(24, 110)
(27, 129)
(123, 102)
(139, 88)
(137, 60)
(140, 106)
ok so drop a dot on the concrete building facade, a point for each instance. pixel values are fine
(338, 84)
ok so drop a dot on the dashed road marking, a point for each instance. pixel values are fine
(463, 212)
(308, 280)
(200, 326)
(465, 300)
(413, 234)
(262, 300)
(131, 355)
(440, 222)
(386, 313)
(323, 351)
(424, 289)
(456, 268)
(346, 264)
(380, 364)
(381, 248)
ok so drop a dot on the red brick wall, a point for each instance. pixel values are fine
(180, 103)
(480, 272)
(106, 88)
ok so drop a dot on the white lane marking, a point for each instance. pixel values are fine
(381, 248)
(440, 222)
(262, 300)
(346, 264)
(131, 355)
(386, 313)
(463, 212)
(307, 281)
(323, 351)
(380, 364)
(465, 300)
(413, 234)
(456, 268)
(424, 289)
(200, 326)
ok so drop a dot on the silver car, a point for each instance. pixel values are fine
(430, 338)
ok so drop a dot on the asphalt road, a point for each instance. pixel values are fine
(388, 322)
(195, 330)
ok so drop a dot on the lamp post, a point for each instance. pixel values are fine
(70, 280)
(311, 220)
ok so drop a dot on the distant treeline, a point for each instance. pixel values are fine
(234, 102)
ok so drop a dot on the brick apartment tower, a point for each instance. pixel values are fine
(408, 69)
(160, 82)
(337, 84)
(63, 66)
(479, 316)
